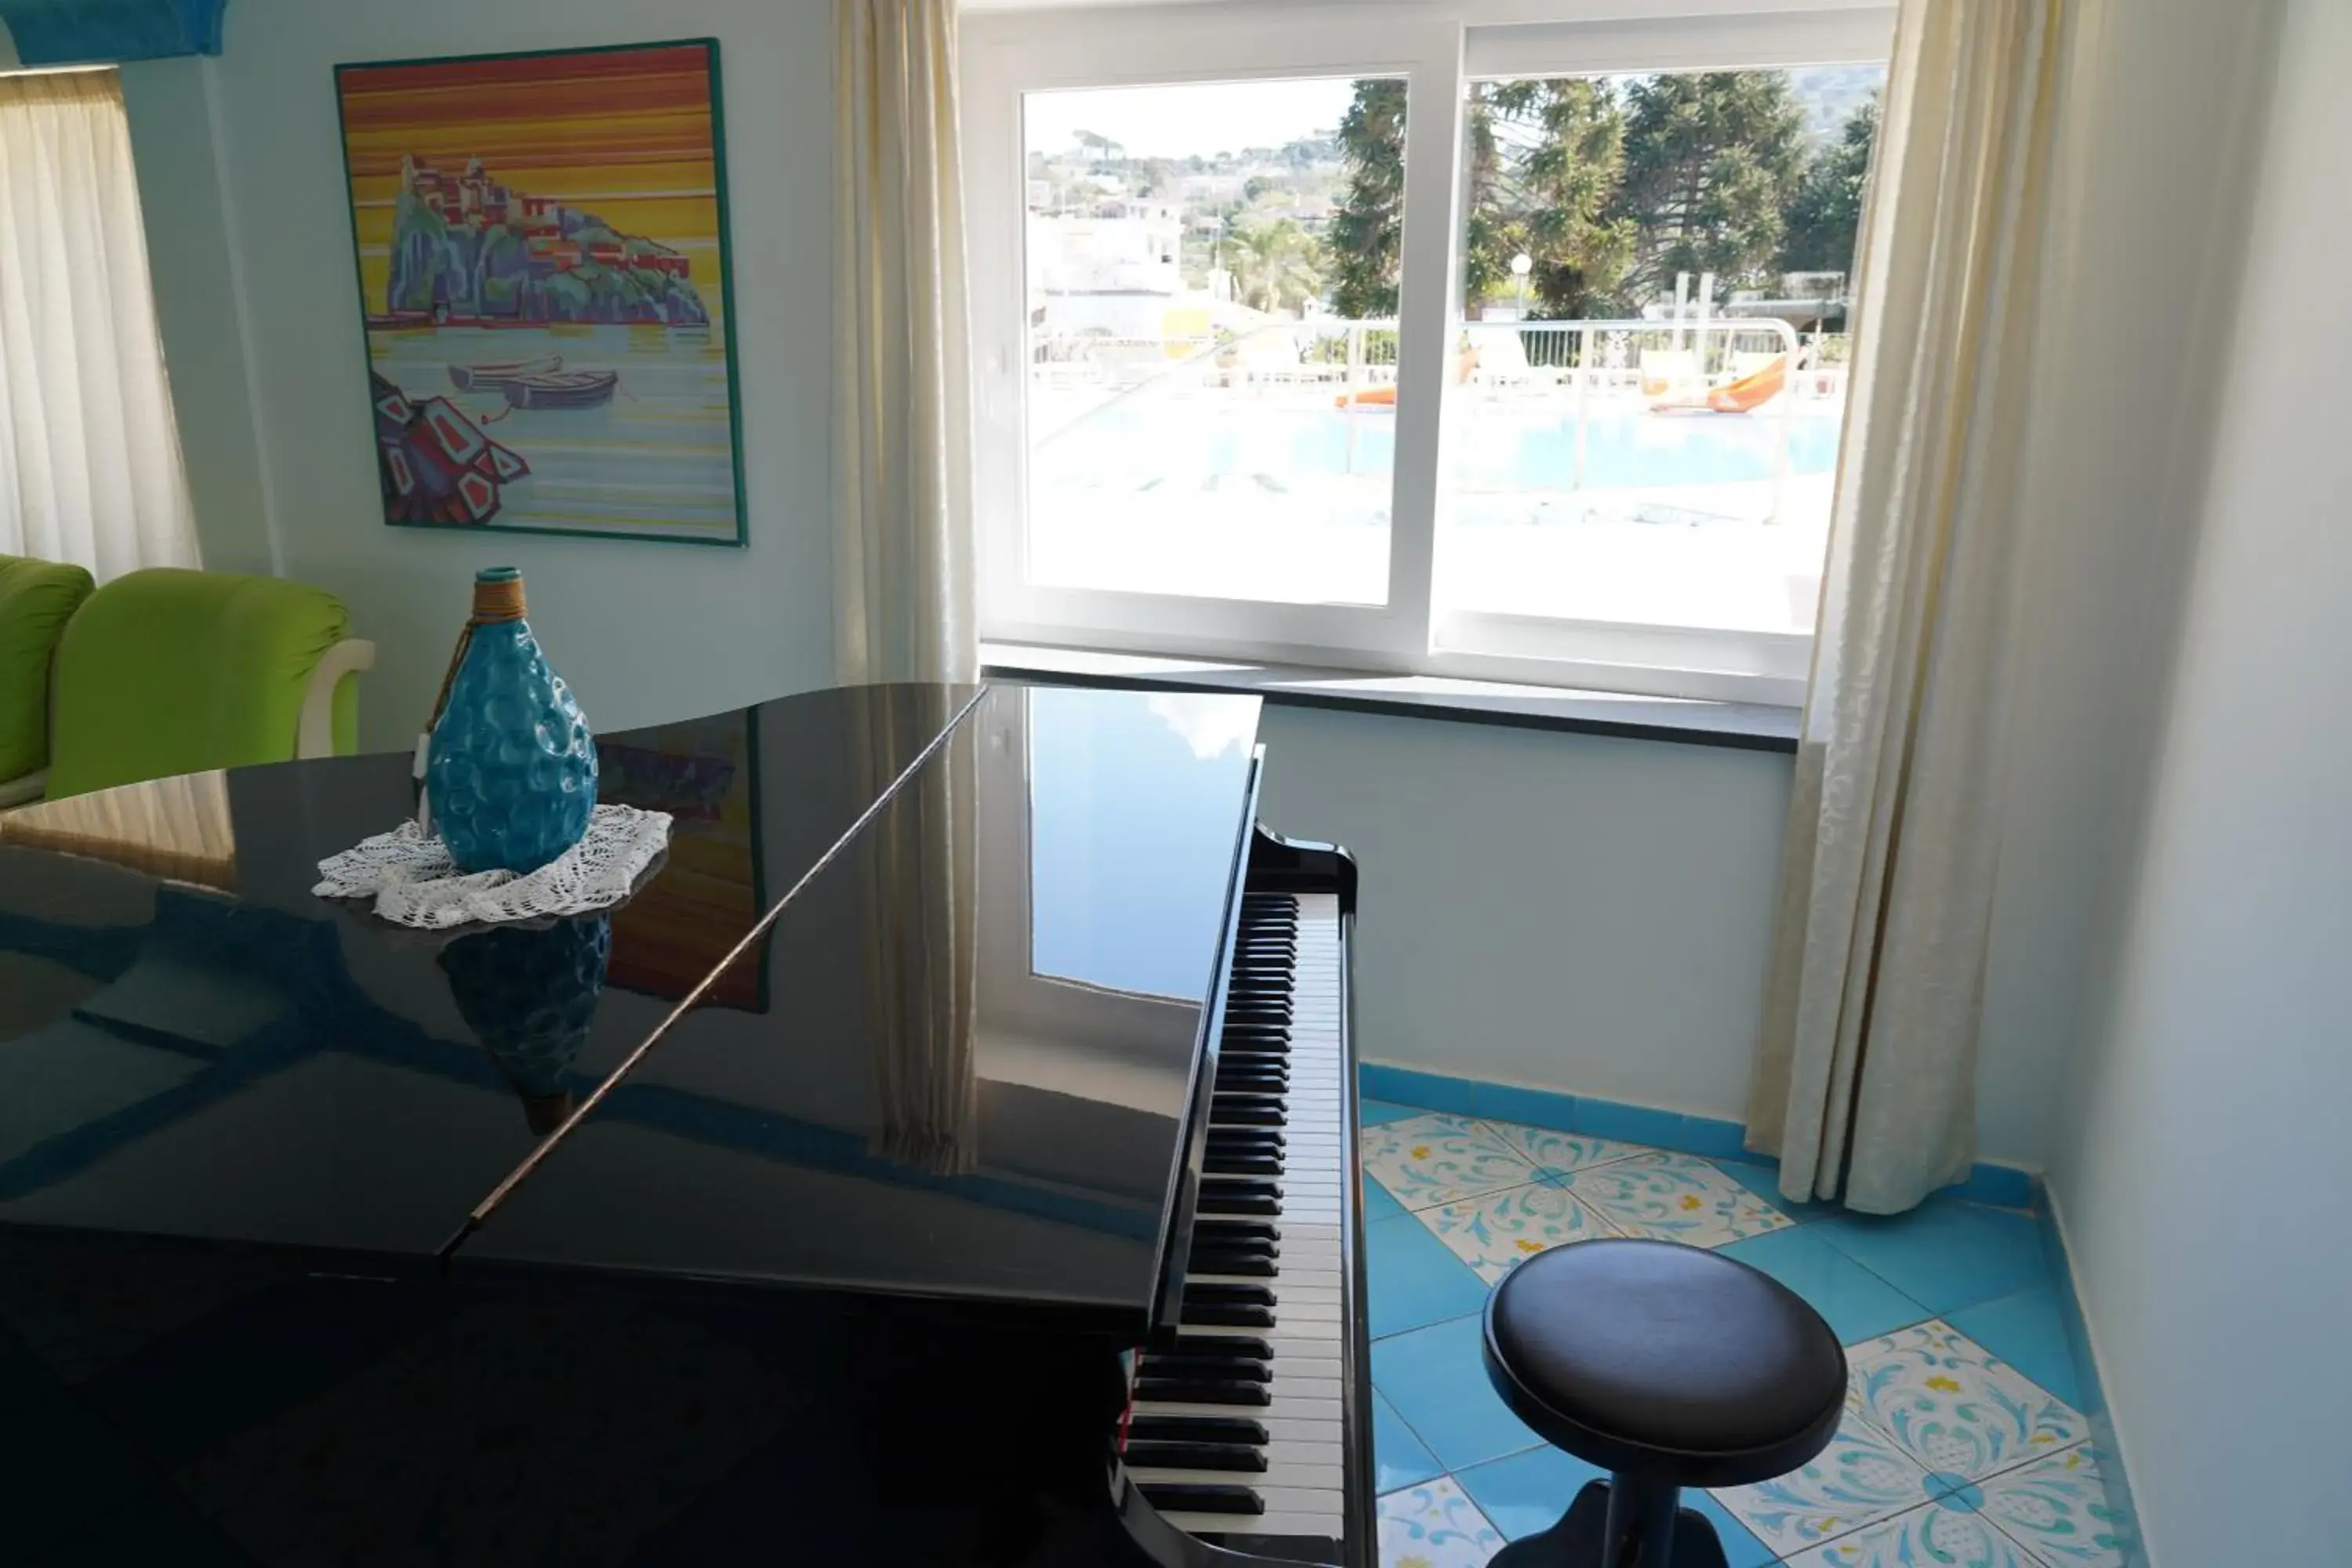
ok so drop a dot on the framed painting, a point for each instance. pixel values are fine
(542, 257)
(706, 773)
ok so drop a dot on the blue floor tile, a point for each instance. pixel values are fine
(1858, 1304)
(1945, 1255)
(1378, 1203)
(1762, 1177)
(1437, 1381)
(1527, 1493)
(1373, 1113)
(1399, 1458)
(1414, 1279)
(2029, 1331)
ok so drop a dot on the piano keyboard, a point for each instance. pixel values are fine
(1238, 1424)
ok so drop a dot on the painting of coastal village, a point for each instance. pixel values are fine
(541, 249)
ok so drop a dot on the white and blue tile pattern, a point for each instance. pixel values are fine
(1440, 1159)
(1674, 1197)
(1950, 1456)
(1497, 1232)
(1435, 1525)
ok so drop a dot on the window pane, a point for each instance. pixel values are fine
(1655, 276)
(1211, 274)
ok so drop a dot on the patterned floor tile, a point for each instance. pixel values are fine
(1860, 1478)
(2028, 1330)
(1375, 1112)
(1953, 1407)
(1440, 1159)
(1435, 1526)
(2058, 1508)
(1946, 1534)
(1557, 1153)
(1673, 1197)
(1497, 1232)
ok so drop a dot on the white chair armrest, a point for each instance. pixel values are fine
(314, 736)
(23, 788)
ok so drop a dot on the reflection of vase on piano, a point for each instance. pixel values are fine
(529, 995)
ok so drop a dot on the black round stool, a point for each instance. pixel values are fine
(1668, 1366)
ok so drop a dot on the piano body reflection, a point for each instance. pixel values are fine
(947, 1156)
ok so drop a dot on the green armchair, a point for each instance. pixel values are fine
(168, 671)
(36, 599)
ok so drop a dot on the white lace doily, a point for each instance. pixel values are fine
(414, 883)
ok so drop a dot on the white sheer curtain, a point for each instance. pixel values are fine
(89, 456)
(1865, 1088)
(904, 605)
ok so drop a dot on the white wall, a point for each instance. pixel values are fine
(241, 167)
(2208, 1123)
(2139, 291)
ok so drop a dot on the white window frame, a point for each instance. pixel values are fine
(1437, 51)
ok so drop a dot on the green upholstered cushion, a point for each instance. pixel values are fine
(36, 599)
(167, 672)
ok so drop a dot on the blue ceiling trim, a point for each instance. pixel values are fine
(100, 32)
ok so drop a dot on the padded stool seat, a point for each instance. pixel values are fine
(1668, 1366)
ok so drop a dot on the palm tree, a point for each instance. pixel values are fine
(1274, 265)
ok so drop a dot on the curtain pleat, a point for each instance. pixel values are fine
(1865, 1086)
(90, 452)
(904, 605)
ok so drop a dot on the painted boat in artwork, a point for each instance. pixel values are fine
(494, 377)
(571, 389)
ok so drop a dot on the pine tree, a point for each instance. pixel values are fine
(1369, 225)
(1825, 214)
(1712, 161)
(1565, 183)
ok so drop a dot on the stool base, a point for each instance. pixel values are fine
(1581, 1538)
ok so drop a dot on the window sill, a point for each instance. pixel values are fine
(1738, 726)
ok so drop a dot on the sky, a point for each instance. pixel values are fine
(1179, 120)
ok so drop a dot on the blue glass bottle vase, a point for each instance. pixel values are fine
(511, 771)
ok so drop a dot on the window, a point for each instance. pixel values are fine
(1514, 351)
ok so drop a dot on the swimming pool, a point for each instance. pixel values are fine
(1491, 446)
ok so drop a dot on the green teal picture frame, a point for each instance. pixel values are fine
(476, 445)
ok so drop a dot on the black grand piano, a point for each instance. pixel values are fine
(945, 1156)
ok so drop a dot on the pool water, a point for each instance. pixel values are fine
(1490, 447)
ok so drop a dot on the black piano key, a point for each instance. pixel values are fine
(1204, 1498)
(1250, 1265)
(1156, 1429)
(1248, 1115)
(1207, 1369)
(1237, 1456)
(1228, 1315)
(1239, 1187)
(1249, 1208)
(1242, 1165)
(1258, 1294)
(1208, 1389)
(1248, 1345)
(1212, 1231)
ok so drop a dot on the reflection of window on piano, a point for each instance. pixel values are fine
(1092, 920)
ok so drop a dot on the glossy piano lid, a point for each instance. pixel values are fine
(191, 1044)
(973, 1080)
